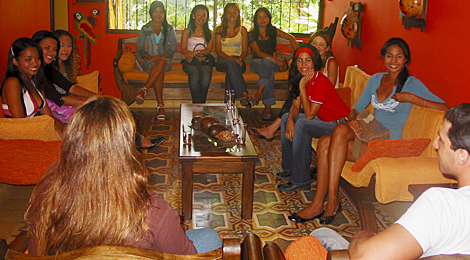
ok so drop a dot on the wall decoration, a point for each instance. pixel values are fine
(85, 25)
(414, 13)
(351, 24)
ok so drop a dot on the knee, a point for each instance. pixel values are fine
(301, 124)
(323, 143)
(341, 131)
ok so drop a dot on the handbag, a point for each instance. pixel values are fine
(209, 59)
(372, 129)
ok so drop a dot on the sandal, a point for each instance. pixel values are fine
(244, 102)
(255, 101)
(267, 117)
(254, 131)
(160, 117)
(139, 99)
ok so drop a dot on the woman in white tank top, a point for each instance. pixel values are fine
(321, 40)
(197, 41)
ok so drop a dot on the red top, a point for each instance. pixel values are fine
(320, 90)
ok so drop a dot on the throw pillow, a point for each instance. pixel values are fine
(306, 248)
(127, 62)
(396, 148)
(89, 81)
(37, 128)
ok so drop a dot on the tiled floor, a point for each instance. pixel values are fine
(216, 196)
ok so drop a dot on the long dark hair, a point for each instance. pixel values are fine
(294, 74)
(404, 74)
(271, 31)
(15, 51)
(205, 26)
(153, 6)
(224, 25)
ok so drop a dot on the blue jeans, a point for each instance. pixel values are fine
(330, 239)
(296, 155)
(199, 79)
(265, 68)
(204, 239)
(234, 76)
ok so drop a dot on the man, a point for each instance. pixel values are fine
(439, 221)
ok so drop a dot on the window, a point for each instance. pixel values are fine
(294, 16)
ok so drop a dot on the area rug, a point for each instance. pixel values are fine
(217, 197)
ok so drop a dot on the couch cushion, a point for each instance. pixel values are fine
(306, 248)
(127, 62)
(424, 123)
(356, 79)
(89, 81)
(396, 148)
(24, 162)
(37, 128)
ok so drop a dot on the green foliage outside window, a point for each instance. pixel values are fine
(294, 16)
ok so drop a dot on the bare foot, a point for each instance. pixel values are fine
(331, 207)
(266, 132)
(146, 142)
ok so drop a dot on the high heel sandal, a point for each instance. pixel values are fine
(325, 220)
(160, 117)
(139, 99)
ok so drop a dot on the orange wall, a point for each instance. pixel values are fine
(440, 55)
(20, 19)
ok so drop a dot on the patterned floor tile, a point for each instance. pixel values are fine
(217, 197)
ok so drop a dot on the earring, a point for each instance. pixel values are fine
(11, 49)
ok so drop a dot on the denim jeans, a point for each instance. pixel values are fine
(234, 76)
(265, 68)
(330, 239)
(296, 155)
(199, 79)
(204, 239)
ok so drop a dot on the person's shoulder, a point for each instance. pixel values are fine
(243, 29)
(11, 81)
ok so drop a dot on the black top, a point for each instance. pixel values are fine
(267, 46)
(54, 77)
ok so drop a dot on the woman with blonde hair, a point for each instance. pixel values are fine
(96, 194)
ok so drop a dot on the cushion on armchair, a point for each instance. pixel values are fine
(127, 62)
(89, 81)
(306, 248)
(395, 148)
(37, 128)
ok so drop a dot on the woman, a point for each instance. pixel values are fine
(63, 103)
(71, 95)
(329, 68)
(70, 209)
(231, 46)
(197, 41)
(392, 95)
(159, 39)
(22, 90)
(265, 62)
(316, 110)
(321, 40)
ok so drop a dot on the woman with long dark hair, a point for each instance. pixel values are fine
(196, 43)
(22, 91)
(316, 110)
(392, 94)
(159, 39)
(263, 42)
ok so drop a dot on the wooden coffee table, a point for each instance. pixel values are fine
(196, 159)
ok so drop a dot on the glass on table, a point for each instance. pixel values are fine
(187, 134)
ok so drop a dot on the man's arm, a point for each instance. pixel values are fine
(394, 243)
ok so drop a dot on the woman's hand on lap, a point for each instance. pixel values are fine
(290, 127)
(355, 126)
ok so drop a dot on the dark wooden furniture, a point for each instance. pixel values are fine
(195, 162)
(250, 249)
(417, 189)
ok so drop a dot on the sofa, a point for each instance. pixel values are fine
(129, 77)
(387, 179)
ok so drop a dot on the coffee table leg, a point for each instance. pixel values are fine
(247, 190)
(187, 191)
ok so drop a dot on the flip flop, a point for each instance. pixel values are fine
(254, 131)
(254, 101)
